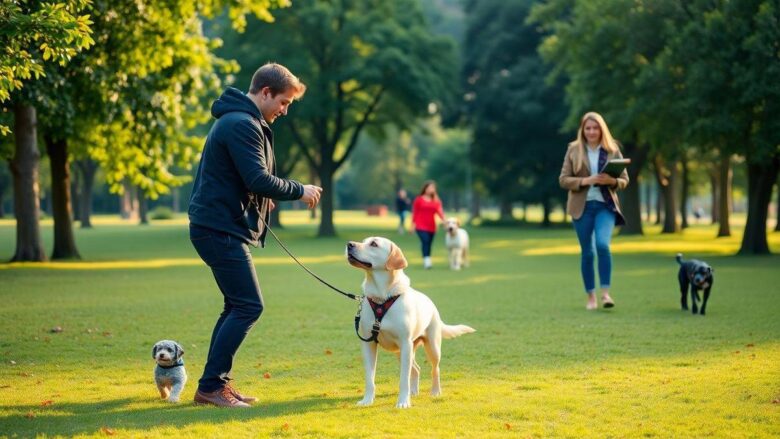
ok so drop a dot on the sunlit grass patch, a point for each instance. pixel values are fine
(539, 365)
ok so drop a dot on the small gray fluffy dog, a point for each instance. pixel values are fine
(169, 374)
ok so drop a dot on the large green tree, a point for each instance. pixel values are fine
(367, 64)
(132, 101)
(515, 112)
(605, 49)
(730, 49)
(32, 33)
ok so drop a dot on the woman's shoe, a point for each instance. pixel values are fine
(592, 304)
(607, 302)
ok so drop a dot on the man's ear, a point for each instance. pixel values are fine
(396, 260)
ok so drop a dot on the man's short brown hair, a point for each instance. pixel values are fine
(278, 78)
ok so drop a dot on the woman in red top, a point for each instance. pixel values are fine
(424, 211)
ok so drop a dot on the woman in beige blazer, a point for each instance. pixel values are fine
(593, 204)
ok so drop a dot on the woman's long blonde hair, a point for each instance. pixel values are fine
(607, 142)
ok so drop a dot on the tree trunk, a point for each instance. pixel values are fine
(313, 180)
(648, 202)
(275, 218)
(175, 200)
(476, 208)
(777, 209)
(659, 201)
(75, 193)
(24, 168)
(88, 168)
(547, 208)
(64, 241)
(505, 211)
(326, 200)
(685, 185)
(630, 203)
(666, 180)
(715, 195)
(761, 179)
(725, 175)
(143, 208)
(128, 203)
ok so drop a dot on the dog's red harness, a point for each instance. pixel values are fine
(379, 310)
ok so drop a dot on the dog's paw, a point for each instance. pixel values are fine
(435, 392)
(173, 400)
(403, 403)
(365, 402)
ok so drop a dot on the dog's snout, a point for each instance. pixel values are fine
(350, 245)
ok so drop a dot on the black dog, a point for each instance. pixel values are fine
(698, 275)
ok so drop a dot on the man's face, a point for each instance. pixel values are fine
(274, 106)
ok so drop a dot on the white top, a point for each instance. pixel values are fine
(594, 193)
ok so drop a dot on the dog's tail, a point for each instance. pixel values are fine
(452, 331)
(679, 258)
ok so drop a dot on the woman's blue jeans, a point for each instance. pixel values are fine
(426, 239)
(231, 263)
(594, 231)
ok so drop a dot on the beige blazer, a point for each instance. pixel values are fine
(578, 194)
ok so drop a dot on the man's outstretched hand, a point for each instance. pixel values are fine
(311, 195)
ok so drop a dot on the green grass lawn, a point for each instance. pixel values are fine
(539, 365)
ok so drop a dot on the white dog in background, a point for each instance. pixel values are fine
(457, 242)
(410, 320)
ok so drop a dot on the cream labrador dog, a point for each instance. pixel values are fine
(457, 242)
(407, 320)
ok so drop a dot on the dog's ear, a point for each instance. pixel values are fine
(457, 221)
(396, 260)
(179, 350)
(154, 350)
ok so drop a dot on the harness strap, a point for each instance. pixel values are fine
(379, 310)
(180, 363)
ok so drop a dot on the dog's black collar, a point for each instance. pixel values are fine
(379, 310)
(178, 364)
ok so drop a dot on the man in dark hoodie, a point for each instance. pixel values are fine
(229, 208)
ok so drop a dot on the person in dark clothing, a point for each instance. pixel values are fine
(231, 201)
(402, 206)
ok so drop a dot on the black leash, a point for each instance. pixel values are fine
(348, 295)
(377, 321)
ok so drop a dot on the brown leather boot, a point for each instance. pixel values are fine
(220, 398)
(239, 396)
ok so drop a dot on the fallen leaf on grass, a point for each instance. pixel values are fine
(107, 431)
(29, 415)
(267, 375)
(106, 334)
(507, 426)
(47, 403)
(749, 345)
(776, 401)
(286, 426)
(328, 352)
(56, 329)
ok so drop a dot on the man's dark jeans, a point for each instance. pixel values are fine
(231, 262)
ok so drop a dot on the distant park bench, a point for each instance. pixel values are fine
(376, 210)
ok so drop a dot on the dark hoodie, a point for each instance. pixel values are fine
(235, 178)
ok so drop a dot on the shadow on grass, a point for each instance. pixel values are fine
(70, 418)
